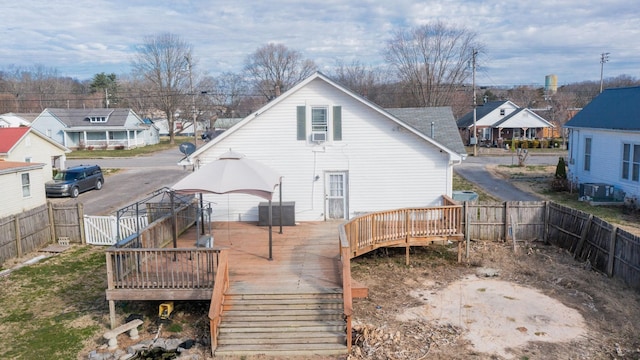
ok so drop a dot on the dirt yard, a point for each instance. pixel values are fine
(534, 303)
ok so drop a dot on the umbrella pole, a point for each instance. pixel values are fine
(270, 227)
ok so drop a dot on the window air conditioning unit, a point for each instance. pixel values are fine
(319, 136)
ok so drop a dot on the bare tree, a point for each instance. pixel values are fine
(432, 61)
(359, 78)
(165, 62)
(274, 68)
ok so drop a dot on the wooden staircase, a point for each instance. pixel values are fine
(282, 324)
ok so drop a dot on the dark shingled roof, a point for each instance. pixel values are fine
(444, 124)
(481, 111)
(617, 109)
(76, 117)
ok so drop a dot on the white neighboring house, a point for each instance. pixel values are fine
(24, 144)
(604, 141)
(96, 128)
(21, 187)
(340, 155)
(16, 120)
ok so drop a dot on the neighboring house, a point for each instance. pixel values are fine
(16, 120)
(96, 128)
(604, 141)
(500, 120)
(24, 144)
(339, 154)
(21, 187)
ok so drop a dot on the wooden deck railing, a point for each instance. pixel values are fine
(403, 227)
(160, 269)
(346, 282)
(217, 298)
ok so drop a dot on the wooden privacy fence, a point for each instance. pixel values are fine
(33, 229)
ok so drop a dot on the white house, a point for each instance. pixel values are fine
(604, 142)
(21, 187)
(24, 144)
(499, 120)
(340, 155)
(15, 120)
(96, 128)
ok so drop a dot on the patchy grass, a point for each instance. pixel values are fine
(145, 150)
(50, 308)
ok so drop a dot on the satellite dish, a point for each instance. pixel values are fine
(187, 148)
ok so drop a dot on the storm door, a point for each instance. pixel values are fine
(336, 195)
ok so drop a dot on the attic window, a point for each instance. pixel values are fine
(97, 119)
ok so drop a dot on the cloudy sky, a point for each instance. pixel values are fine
(524, 40)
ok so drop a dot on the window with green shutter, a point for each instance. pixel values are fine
(302, 123)
(337, 123)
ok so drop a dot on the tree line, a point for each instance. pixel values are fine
(427, 65)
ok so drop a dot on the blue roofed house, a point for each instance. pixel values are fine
(96, 128)
(604, 145)
(499, 120)
(339, 154)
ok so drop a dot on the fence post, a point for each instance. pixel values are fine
(583, 236)
(52, 224)
(18, 236)
(467, 235)
(612, 251)
(506, 221)
(547, 214)
(83, 238)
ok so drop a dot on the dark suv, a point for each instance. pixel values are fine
(74, 180)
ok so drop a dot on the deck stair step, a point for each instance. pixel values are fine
(282, 325)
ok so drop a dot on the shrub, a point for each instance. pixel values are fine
(560, 182)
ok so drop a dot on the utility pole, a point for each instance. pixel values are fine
(193, 103)
(475, 132)
(604, 57)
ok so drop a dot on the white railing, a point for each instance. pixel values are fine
(103, 230)
(110, 143)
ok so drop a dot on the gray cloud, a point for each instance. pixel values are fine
(524, 40)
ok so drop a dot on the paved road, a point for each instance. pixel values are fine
(136, 179)
(474, 170)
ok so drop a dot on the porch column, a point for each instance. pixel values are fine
(84, 137)
(106, 138)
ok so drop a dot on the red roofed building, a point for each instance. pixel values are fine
(24, 144)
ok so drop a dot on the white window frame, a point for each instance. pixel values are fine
(588, 150)
(26, 185)
(320, 127)
(631, 163)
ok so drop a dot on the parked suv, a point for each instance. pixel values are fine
(74, 180)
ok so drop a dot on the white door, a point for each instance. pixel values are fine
(336, 195)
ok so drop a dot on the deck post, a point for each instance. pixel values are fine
(112, 314)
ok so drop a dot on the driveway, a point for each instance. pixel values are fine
(474, 170)
(137, 178)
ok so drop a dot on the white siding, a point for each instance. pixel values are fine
(11, 192)
(606, 158)
(38, 150)
(388, 166)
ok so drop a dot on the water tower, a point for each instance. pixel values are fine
(550, 84)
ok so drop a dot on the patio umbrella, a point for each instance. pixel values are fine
(233, 173)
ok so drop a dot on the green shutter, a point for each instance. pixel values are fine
(302, 123)
(337, 123)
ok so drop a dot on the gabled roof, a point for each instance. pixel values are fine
(444, 128)
(617, 109)
(79, 117)
(522, 118)
(14, 120)
(9, 137)
(482, 110)
(319, 75)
